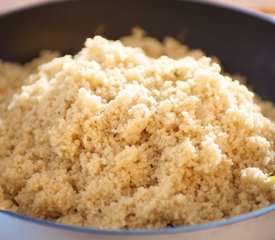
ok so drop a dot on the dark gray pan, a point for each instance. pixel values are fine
(243, 40)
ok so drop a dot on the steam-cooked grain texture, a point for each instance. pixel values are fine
(112, 138)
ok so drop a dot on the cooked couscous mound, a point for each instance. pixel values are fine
(118, 137)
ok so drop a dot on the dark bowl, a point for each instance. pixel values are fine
(243, 40)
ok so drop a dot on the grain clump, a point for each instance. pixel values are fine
(138, 137)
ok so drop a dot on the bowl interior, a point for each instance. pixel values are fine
(244, 41)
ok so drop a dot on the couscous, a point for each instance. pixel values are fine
(132, 134)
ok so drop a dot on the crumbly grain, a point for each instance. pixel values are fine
(123, 138)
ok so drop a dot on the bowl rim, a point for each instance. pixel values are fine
(223, 5)
(184, 229)
(141, 232)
